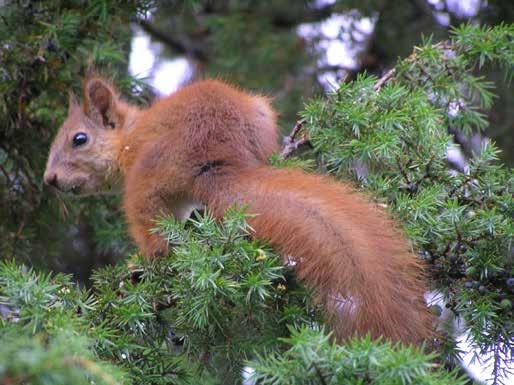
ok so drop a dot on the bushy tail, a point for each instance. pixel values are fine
(345, 248)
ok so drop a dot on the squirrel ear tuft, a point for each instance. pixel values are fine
(101, 103)
(72, 102)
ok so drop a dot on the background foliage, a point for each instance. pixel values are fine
(221, 299)
(46, 47)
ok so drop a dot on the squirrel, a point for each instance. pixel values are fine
(207, 145)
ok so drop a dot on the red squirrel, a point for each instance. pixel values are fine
(207, 145)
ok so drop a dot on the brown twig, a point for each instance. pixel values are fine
(296, 129)
(384, 79)
(292, 144)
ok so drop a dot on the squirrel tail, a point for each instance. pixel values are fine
(345, 248)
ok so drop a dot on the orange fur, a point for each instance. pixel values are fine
(208, 144)
(346, 248)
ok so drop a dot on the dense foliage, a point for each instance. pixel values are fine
(391, 135)
(217, 302)
(312, 359)
(221, 303)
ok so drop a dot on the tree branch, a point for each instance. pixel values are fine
(175, 44)
(291, 144)
(288, 20)
(384, 79)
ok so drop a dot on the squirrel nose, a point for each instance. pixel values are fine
(51, 179)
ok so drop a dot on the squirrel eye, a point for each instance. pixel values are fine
(79, 139)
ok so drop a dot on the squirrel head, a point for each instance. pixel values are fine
(83, 155)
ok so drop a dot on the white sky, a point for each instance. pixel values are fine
(164, 75)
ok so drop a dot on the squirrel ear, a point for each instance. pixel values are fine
(101, 103)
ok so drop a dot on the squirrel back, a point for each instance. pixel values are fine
(200, 118)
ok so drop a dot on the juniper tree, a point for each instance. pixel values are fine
(391, 135)
(220, 302)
